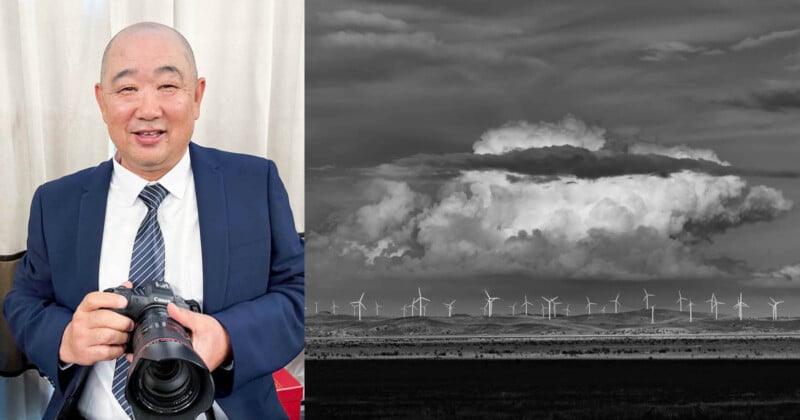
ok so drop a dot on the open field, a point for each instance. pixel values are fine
(626, 335)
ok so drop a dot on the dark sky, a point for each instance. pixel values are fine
(566, 148)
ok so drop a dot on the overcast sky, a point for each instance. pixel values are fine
(552, 148)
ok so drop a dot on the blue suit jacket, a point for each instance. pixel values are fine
(253, 273)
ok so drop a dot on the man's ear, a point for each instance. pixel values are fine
(98, 95)
(199, 90)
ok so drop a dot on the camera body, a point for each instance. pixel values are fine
(167, 379)
(154, 294)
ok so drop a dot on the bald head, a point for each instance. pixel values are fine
(148, 28)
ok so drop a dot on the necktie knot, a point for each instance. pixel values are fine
(152, 195)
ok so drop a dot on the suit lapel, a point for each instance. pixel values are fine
(91, 220)
(213, 216)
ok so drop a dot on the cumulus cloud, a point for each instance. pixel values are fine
(677, 152)
(519, 135)
(423, 41)
(787, 277)
(670, 51)
(760, 41)
(773, 99)
(357, 19)
(493, 220)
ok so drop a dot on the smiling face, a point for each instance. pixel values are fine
(150, 96)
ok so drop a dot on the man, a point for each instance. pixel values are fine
(220, 232)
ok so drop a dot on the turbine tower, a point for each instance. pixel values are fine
(603, 309)
(616, 303)
(358, 304)
(739, 306)
(525, 305)
(333, 307)
(377, 308)
(316, 308)
(549, 304)
(774, 305)
(712, 302)
(690, 310)
(449, 308)
(490, 300)
(566, 310)
(513, 309)
(653, 314)
(646, 299)
(421, 308)
(589, 304)
(404, 310)
(680, 301)
(716, 307)
(555, 303)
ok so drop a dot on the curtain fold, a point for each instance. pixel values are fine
(250, 51)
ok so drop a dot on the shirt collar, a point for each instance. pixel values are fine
(129, 185)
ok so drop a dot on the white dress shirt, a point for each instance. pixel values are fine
(183, 269)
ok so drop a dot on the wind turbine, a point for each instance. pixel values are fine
(404, 310)
(690, 310)
(646, 299)
(653, 314)
(739, 306)
(603, 309)
(333, 307)
(513, 309)
(359, 305)
(449, 308)
(413, 302)
(774, 305)
(421, 305)
(680, 301)
(549, 303)
(713, 302)
(525, 305)
(555, 303)
(716, 307)
(424, 309)
(566, 310)
(377, 308)
(490, 300)
(316, 308)
(589, 304)
(616, 303)
(485, 307)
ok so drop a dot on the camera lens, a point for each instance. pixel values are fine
(168, 386)
(168, 379)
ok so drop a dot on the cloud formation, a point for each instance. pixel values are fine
(760, 41)
(521, 135)
(357, 19)
(497, 219)
(670, 51)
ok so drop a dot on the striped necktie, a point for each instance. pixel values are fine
(147, 265)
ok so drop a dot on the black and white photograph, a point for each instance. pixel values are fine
(531, 209)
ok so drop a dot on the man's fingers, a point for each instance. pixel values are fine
(182, 316)
(108, 336)
(110, 319)
(99, 300)
(127, 284)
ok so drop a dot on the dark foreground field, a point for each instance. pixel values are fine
(552, 389)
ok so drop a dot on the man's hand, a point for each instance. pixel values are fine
(209, 338)
(96, 333)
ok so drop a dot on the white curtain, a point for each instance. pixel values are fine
(250, 52)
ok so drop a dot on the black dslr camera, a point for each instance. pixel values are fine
(167, 379)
